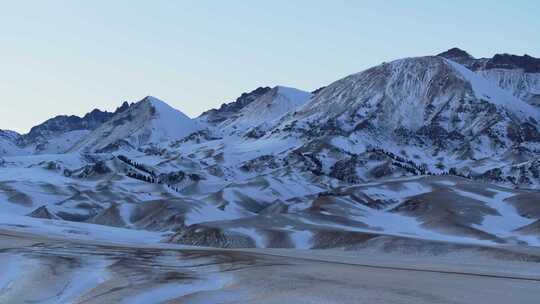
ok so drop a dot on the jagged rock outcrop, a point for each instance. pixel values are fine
(43, 213)
(227, 110)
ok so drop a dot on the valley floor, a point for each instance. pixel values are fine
(41, 269)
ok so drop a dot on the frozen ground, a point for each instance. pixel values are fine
(39, 269)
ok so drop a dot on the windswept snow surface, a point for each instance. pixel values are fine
(266, 110)
(525, 86)
(170, 123)
(485, 89)
(149, 121)
(507, 219)
(78, 231)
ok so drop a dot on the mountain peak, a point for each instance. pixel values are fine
(230, 109)
(293, 94)
(455, 53)
(150, 120)
(153, 101)
(411, 93)
(266, 109)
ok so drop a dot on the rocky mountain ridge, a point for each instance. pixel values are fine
(417, 148)
(517, 74)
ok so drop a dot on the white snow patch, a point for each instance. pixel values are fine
(485, 89)
(508, 220)
(301, 239)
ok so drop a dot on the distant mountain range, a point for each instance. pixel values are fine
(374, 148)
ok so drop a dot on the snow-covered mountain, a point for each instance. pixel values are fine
(425, 115)
(227, 110)
(428, 148)
(264, 111)
(58, 134)
(517, 74)
(149, 121)
(9, 143)
(412, 93)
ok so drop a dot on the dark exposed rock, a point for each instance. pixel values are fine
(457, 55)
(492, 175)
(377, 203)
(530, 132)
(109, 217)
(96, 169)
(437, 134)
(345, 170)
(209, 236)
(337, 239)
(382, 170)
(318, 90)
(43, 212)
(506, 61)
(172, 178)
(255, 133)
(52, 165)
(117, 145)
(226, 109)
(412, 205)
(195, 177)
(260, 164)
(278, 239)
(527, 63)
(77, 217)
(197, 137)
(65, 123)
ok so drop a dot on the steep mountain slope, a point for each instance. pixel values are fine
(58, 134)
(412, 93)
(428, 110)
(517, 74)
(149, 121)
(265, 110)
(415, 149)
(62, 124)
(414, 116)
(227, 110)
(9, 143)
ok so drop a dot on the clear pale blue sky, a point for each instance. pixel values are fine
(68, 57)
